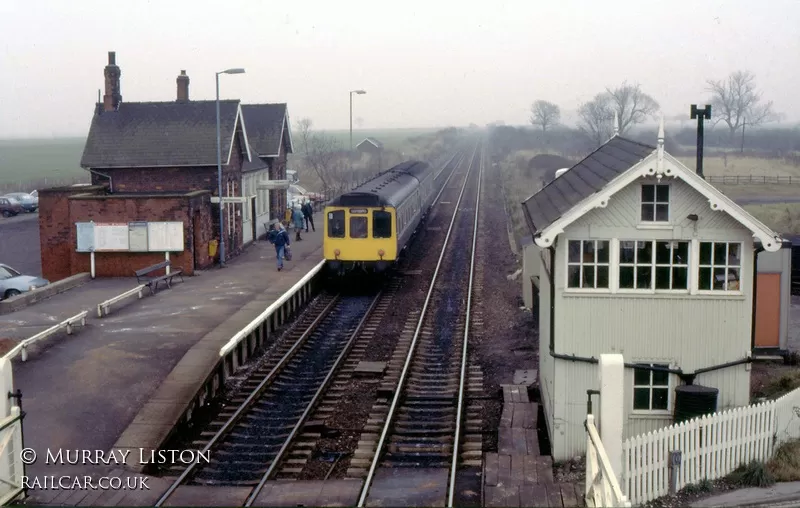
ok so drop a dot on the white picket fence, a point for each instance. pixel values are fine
(711, 446)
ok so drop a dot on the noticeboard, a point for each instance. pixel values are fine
(85, 236)
(137, 237)
(111, 237)
(165, 236)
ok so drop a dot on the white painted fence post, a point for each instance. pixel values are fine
(6, 387)
(91, 263)
(612, 402)
(166, 257)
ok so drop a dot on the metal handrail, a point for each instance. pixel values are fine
(67, 323)
(452, 486)
(257, 490)
(247, 330)
(248, 401)
(392, 408)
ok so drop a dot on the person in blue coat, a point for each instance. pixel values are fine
(297, 218)
(280, 239)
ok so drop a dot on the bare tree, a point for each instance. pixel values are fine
(323, 154)
(631, 104)
(734, 100)
(597, 118)
(545, 114)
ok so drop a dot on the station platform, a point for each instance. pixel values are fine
(81, 392)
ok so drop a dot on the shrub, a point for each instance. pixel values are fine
(785, 465)
(754, 474)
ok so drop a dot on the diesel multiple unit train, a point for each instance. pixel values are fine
(367, 228)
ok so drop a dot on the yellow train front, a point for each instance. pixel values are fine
(367, 228)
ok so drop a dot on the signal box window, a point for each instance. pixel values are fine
(381, 224)
(358, 227)
(336, 224)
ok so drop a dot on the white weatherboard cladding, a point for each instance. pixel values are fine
(689, 332)
(624, 210)
(546, 362)
(572, 379)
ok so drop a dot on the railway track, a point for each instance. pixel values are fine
(273, 404)
(429, 422)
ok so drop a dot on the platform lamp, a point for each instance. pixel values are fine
(219, 171)
(359, 92)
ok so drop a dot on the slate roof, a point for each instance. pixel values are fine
(372, 141)
(148, 134)
(265, 123)
(583, 179)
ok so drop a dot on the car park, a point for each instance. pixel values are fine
(26, 201)
(13, 283)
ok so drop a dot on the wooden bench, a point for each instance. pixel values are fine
(143, 276)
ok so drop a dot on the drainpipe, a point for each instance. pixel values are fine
(110, 182)
(760, 248)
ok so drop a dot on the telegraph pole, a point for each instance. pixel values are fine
(700, 115)
(744, 123)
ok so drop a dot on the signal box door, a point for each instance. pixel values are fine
(768, 310)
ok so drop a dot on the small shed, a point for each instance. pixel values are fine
(371, 146)
(530, 271)
(773, 300)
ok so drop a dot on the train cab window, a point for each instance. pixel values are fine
(358, 227)
(381, 224)
(336, 224)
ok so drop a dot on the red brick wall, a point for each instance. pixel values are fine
(56, 230)
(186, 179)
(130, 209)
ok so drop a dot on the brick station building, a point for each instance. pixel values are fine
(157, 162)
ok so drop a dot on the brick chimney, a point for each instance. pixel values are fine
(112, 98)
(183, 87)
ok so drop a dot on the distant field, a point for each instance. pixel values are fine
(781, 217)
(29, 163)
(392, 139)
(742, 166)
(23, 161)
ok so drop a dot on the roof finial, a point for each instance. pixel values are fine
(616, 123)
(660, 160)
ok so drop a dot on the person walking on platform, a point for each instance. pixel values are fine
(308, 214)
(280, 239)
(297, 217)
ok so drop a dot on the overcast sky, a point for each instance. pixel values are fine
(423, 63)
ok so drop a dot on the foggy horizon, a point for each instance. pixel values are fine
(425, 65)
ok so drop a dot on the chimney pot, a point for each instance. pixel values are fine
(183, 87)
(112, 73)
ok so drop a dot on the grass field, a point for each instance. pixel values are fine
(26, 164)
(781, 217)
(742, 166)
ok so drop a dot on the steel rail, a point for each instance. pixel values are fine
(459, 411)
(250, 400)
(404, 372)
(274, 465)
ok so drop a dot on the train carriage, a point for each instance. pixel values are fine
(368, 227)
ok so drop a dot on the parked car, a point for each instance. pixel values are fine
(28, 203)
(13, 283)
(296, 194)
(9, 206)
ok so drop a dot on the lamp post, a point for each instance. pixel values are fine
(359, 92)
(219, 172)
